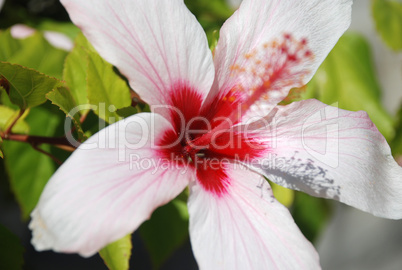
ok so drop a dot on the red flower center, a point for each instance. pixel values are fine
(209, 136)
(210, 156)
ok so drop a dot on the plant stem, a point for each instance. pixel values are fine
(36, 147)
(8, 130)
(60, 142)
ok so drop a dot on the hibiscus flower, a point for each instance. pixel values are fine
(215, 127)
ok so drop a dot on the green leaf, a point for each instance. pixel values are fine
(7, 116)
(217, 10)
(117, 254)
(1, 151)
(127, 111)
(75, 70)
(284, 195)
(28, 88)
(396, 144)
(4, 97)
(347, 76)
(28, 170)
(211, 15)
(310, 214)
(9, 46)
(38, 54)
(62, 98)
(11, 250)
(213, 38)
(33, 52)
(166, 231)
(388, 19)
(66, 28)
(92, 80)
(106, 89)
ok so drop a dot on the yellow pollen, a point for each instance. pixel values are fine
(267, 84)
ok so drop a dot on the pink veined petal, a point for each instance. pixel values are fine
(107, 188)
(332, 153)
(257, 23)
(245, 228)
(156, 44)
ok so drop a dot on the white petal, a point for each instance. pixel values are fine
(233, 3)
(157, 44)
(107, 188)
(259, 22)
(56, 39)
(245, 228)
(21, 31)
(1, 4)
(333, 153)
(59, 40)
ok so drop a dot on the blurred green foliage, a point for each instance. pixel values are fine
(166, 231)
(33, 52)
(347, 77)
(396, 144)
(106, 87)
(29, 170)
(284, 195)
(27, 87)
(8, 115)
(11, 250)
(75, 71)
(310, 214)
(62, 98)
(1, 151)
(35, 13)
(117, 254)
(211, 15)
(388, 19)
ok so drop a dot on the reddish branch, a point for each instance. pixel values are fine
(36, 141)
(8, 130)
(60, 142)
(135, 99)
(58, 161)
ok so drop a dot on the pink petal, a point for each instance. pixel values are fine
(333, 153)
(245, 228)
(155, 44)
(258, 23)
(107, 188)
